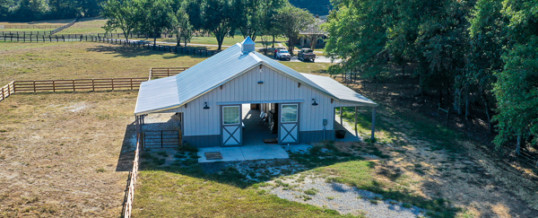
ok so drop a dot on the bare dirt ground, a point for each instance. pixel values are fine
(466, 175)
(60, 154)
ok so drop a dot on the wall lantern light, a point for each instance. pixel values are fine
(314, 103)
(206, 107)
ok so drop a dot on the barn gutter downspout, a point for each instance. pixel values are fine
(373, 124)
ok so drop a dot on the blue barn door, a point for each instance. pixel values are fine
(289, 124)
(231, 125)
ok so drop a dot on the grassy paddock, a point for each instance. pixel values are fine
(87, 26)
(60, 154)
(76, 60)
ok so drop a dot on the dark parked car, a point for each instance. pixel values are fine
(306, 54)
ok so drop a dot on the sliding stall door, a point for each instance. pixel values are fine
(289, 124)
(231, 125)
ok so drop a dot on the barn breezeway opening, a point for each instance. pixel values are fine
(260, 122)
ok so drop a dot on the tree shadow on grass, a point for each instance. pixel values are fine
(132, 52)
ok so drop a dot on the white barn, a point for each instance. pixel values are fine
(295, 107)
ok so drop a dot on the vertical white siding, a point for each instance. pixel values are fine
(276, 87)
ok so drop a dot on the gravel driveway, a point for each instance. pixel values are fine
(342, 198)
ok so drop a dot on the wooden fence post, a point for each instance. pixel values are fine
(131, 83)
(34, 87)
(93, 85)
(112, 84)
(73, 82)
(53, 86)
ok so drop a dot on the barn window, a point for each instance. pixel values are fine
(289, 113)
(230, 115)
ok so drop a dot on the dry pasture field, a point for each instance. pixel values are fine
(59, 154)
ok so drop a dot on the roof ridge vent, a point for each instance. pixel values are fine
(248, 45)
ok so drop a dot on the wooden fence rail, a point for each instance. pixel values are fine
(160, 72)
(36, 38)
(77, 85)
(7, 90)
(131, 182)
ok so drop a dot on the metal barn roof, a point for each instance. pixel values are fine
(172, 92)
(338, 90)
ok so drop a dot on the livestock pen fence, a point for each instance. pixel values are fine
(104, 38)
(131, 180)
(160, 72)
(74, 85)
(7, 90)
(77, 85)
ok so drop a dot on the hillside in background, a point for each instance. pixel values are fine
(316, 7)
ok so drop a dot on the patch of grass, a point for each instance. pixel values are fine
(311, 191)
(100, 170)
(202, 196)
(87, 27)
(308, 67)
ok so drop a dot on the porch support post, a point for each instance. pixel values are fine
(341, 112)
(356, 134)
(373, 124)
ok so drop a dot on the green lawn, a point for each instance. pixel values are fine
(87, 26)
(169, 193)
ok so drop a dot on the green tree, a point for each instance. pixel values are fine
(516, 88)
(158, 16)
(5, 6)
(291, 21)
(181, 24)
(442, 45)
(124, 15)
(358, 36)
(31, 9)
(486, 37)
(218, 17)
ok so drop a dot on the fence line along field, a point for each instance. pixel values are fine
(74, 85)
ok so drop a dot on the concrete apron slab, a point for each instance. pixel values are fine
(247, 152)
